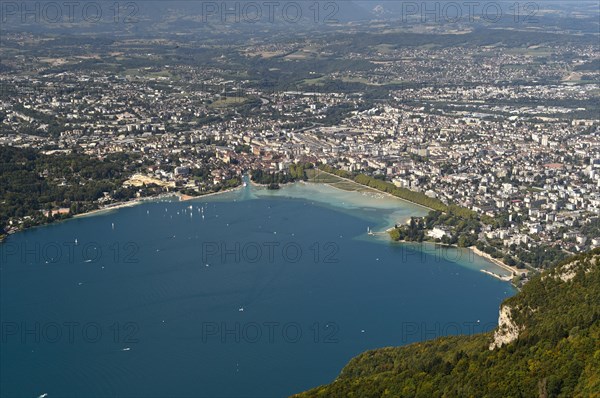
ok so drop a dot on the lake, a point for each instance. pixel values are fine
(250, 293)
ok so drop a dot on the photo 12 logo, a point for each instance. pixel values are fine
(469, 11)
(269, 332)
(68, 12)
(68, 332)
(291, 12)
(271, 252)
(71, 252)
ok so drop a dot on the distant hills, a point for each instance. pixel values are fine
(209, 18)
(546, 345)
(170, 16)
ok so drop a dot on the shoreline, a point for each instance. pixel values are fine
(183, 198)
(135, 202)
(500, 277)
(513, 270)
(115, 206)
(129, 203)
(122, 205)
(256, 184)
(375, 192)
(281, 184)
(186, 198)
(375, 189)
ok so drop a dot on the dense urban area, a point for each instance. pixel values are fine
(496, 131)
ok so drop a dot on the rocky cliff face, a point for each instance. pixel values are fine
(569, 271)
(507, 331)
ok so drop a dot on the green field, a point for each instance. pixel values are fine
(227, 102)
(336, 182)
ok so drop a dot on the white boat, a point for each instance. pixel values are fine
(75, 240)
(44, 395)
(126, 349)
(245, 184)
(241, 309)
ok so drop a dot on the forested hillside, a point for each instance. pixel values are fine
(31, 182)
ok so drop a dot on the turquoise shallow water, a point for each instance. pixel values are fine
(248, 294)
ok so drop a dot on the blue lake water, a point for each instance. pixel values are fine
(247, 294)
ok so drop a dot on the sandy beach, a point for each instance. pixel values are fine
(121, 205)
(514, 270)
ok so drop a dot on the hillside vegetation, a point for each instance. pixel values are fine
(547, 344)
